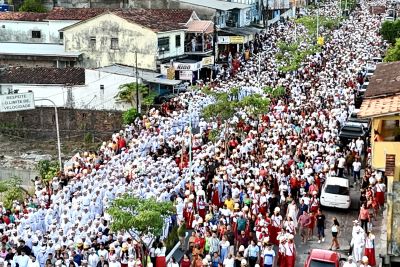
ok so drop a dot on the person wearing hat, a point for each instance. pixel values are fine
(289, 257)
(350, 262)
(369, 250)
(276, 225)
(364, 262)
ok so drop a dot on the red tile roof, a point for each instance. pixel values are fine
(42, 75)
(157, 19)
(376, 107)
(385, 81)
(54, 14)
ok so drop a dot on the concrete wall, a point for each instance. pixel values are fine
(173, 50)
(74, 123)
(131, 38)
(381, 148)
(21, 31)
(88, 96)
(26, 175)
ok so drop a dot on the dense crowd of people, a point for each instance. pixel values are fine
(246, 195)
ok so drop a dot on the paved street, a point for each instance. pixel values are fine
(345, 218)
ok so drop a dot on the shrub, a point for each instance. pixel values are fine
(130, 115)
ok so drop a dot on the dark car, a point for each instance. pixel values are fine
(352, 130)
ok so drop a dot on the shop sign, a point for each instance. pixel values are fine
(187, 66)
(207, 61)
(223, 40)
(185, 75)
(171, 73)
(236, 39)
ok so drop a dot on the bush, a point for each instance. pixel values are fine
(12, 190)
(33, 6)
(88, 138)
(130, 115)
(48, 169)
(393, 53)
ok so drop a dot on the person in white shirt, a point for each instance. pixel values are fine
(341, 164)
(229, 261)
(356, 170)
(350, 262)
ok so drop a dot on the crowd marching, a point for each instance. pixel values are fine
(244, 200)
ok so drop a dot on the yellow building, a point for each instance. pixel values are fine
(115, 36)
(382, 105)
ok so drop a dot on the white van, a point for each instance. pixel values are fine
(336, 193)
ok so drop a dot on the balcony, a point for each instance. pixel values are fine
(199, 37)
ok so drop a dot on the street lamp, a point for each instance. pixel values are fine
(57, 129)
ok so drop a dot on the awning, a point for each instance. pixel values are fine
(162, 81)
(244, 31)
(202, 26)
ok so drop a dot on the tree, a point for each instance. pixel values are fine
(393, 53)
(33, 6)
(390, 30)
(127, 92)
(47, 169)
(12, 190)
(140, 218)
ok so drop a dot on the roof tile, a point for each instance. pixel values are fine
(376, 107)
(42, 75)
(385, 81)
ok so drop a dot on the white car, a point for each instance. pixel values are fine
(336, 193)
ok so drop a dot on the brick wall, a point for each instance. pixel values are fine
(74, 123)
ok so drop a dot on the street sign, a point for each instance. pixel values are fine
(16, 102)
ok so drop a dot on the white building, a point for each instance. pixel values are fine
(29, 27)
(69, 87)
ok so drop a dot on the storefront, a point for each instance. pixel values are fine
(229, 44)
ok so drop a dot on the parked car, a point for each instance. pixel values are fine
(353, 117)
(335, 193)
(352, 130)
(323, 258)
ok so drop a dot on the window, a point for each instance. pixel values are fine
(177, 40)
(36, 34)
(163, 44)
(114, 43)
(92, 42)
(61, 35)
(337, 190)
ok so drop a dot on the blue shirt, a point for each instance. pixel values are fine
(269, 257)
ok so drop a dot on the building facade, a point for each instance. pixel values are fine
(124, 36)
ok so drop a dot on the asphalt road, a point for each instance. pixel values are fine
(345, 218)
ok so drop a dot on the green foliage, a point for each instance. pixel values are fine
(88, 138)
(139, 216)
(148, 99)
(206, 90)
(349, 4)
(33, 6)
(390, 30)
(48, 169)
(393, 53)
(130, 115)
(310, 23)
(12, 190)
(127, 92)
(213, 135)
(172, 239)
(255, 104)
(223, 110)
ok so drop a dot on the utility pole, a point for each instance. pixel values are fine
(215, 46)
(137, 84)
(266, 15)
(318, 22)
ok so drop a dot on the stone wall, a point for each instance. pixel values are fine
(74, 123)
